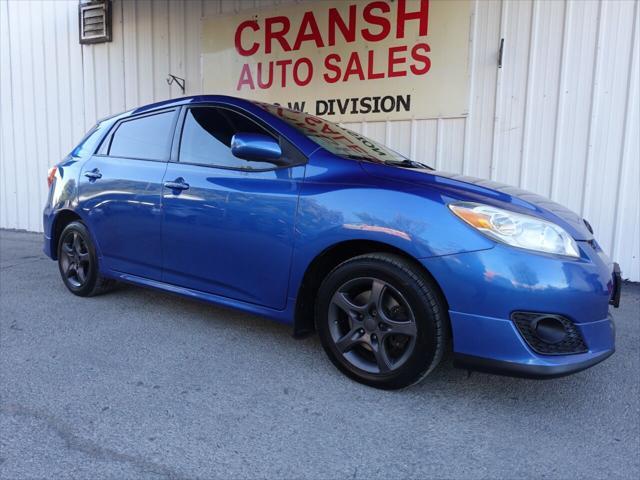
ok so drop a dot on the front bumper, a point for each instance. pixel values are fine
(512, 369)
(485, 288)
(495, 345)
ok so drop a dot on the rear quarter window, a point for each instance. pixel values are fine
(89, 142)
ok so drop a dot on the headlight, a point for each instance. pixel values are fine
(516, 229)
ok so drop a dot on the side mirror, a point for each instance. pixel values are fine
(256, 147)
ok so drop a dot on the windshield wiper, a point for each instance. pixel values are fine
(359, 157)
(406, 163)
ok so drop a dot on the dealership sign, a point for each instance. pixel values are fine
(346, 60)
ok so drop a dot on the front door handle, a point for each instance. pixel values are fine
(177, 184)
(93, 174)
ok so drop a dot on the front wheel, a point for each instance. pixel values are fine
(78, 262)
(381, 320)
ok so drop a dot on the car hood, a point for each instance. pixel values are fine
(468, 188)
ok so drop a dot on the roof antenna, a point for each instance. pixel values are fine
(180, 81)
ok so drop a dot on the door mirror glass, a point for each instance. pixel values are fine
(256, 147)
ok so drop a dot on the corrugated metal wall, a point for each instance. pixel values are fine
(560, 118)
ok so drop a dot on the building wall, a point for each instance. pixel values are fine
(561, 117)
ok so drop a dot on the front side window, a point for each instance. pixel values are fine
(207, 134)
(145, 137)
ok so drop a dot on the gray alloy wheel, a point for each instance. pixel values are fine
(382, 320)
(372, 325)
(75, 261)
(78, 262)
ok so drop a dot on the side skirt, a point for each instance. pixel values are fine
(282, 316)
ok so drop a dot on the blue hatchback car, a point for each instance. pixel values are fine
(292, 217)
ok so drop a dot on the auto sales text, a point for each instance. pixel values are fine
(365, 23)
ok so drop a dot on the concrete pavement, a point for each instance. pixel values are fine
(143, 384)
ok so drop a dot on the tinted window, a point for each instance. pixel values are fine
(88, 144)
(206, 138)
(146, 137)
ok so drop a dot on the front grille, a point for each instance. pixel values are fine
(569, 339)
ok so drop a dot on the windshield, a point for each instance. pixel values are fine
(336, 139)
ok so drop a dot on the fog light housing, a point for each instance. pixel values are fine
(549, 329)
(549, 334)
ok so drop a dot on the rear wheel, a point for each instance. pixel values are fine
(381, 321)
(78, 262)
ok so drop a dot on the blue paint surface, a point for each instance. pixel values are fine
(246, 238)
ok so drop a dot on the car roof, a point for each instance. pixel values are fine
(191, 100)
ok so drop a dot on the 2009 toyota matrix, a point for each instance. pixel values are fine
(295, 218)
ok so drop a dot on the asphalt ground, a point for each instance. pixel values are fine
(142, 384)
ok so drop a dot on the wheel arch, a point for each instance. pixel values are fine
(62, 219)
(327, 260)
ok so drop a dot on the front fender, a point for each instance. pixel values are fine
(415, 220)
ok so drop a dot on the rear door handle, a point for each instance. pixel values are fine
(93, 174)
(177, 184)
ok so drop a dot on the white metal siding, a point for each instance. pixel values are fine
(561, 118)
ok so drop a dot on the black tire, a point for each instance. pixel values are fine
(389, 336)
(78, 262)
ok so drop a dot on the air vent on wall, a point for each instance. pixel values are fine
(95, 21)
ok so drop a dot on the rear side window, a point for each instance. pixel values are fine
(145, 137)
(206, 138)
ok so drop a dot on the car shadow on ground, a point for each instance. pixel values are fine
(446, 380)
